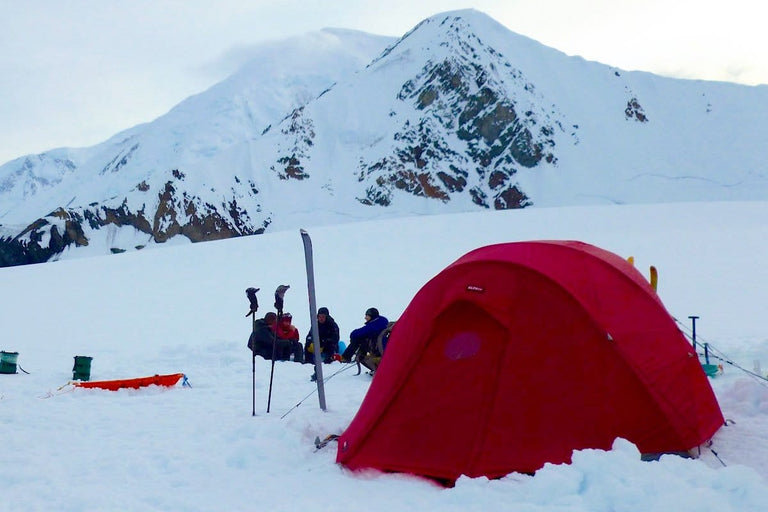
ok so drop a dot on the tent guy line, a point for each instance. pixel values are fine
(344, 368)
(719, 355)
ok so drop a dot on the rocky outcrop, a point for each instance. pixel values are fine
(43, 239)
(298, 132)
(635, 111)
(173, 214)
(458, 100)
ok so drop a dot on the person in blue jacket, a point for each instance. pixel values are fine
(366, 335)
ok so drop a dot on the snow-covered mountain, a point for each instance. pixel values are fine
(459, 114)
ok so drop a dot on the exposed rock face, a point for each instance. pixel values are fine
(173, 214)
(300, 134)
(479, 121)
(43, 239)
(458, 100)
(635, 111)
(461, 127)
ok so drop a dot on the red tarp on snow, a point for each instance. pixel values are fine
(519, 353)
(139, 382)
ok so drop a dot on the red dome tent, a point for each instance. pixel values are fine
(519, 353)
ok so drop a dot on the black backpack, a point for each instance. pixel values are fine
(369, 354)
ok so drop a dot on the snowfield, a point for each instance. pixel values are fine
(182, 309)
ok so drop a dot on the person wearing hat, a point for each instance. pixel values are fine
(366, 335)
(288, 343)
(328, 330)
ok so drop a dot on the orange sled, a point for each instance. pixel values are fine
(114, 385)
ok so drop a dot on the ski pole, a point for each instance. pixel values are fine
(254, 303)
(274, 346)
(253, 368)
(279, 294)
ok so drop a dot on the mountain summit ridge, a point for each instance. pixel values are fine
(458, 114)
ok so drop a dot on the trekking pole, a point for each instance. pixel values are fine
(253, 369)
(279, 294)
(693, 322)
(251, 294)
(274, 346)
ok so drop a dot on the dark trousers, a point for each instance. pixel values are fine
(287, 348)
(354, 346)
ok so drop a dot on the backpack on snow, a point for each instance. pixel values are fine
(369, 354)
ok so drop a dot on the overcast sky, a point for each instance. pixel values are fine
(75, 72)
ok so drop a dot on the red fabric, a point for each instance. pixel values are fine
(519, 353)
(286, 331)
(114, 385)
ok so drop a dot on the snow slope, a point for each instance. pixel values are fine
(200, 448)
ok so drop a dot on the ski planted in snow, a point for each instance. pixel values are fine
(313, 315)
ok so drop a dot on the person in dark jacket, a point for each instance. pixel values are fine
(366, 335)
(263, 336)
(328, 331)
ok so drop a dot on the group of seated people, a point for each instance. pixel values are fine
(279, 336)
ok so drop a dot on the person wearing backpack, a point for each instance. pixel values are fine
(329, 338)
(363, 339)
